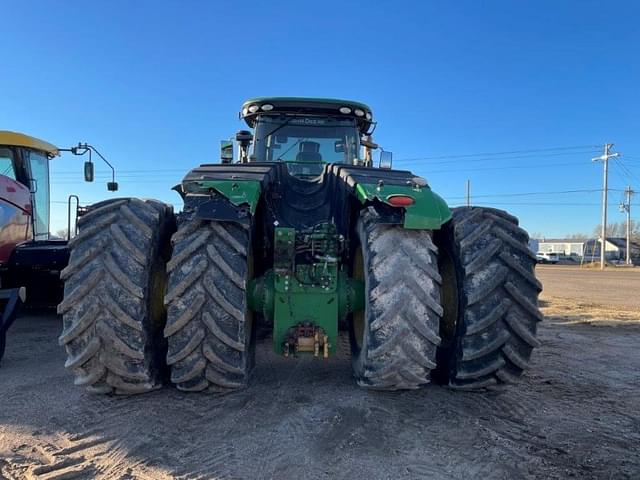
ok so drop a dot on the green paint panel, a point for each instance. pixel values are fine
(295, 303)
(429, 211)
(319, 294)
(239, 192)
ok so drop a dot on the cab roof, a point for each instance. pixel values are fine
(15, 139)
(307, 105)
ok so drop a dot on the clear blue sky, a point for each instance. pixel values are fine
(156, 85)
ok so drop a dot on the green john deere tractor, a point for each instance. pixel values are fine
(303, 234)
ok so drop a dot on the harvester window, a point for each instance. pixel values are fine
(6, 164)
(39, 175)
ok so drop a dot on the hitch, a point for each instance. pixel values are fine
(306, 338)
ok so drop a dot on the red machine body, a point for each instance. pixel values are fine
(15, 216)
(31, 259)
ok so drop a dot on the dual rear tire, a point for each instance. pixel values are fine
(462, 311)
(395, 338)
(209, 327)
(112, 308)
(491, 316)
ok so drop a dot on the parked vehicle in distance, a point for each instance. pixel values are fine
(548, 257)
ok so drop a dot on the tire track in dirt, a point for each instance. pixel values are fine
(569, 416)
(55, 462)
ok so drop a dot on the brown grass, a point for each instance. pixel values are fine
(569, 311)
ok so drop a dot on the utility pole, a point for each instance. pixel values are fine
(626, 207)
(605, 190)
(468, 193)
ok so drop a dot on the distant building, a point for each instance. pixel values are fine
(615, 250)
(565, 247)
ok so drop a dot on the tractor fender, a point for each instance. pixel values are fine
(375, 187)
(232, 192)
(225, 192)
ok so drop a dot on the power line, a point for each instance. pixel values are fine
(133, 178)
(514, 194)
(620, 176)
(512, 152)
(133, 171)
(630, 175)
(508, 167)
(492, 159)
(171, 172)
(535, 204)
(523, 194)
(477, 169)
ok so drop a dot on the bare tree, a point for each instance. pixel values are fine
(616, 229)
(578, 236)
(62, 233)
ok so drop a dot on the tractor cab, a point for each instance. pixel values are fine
(304, 133)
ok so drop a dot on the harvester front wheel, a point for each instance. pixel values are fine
(497, 309)
(209, 327)
(395, 338)
(112, 308)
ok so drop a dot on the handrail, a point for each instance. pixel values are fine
(75, 229)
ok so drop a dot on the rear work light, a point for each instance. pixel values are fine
(400, 200)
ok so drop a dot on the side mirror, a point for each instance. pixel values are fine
(386, 160)
(88, 171)
(226, 151)
(112, 186)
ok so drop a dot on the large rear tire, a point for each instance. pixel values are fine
(112, 308)
(394, 340)
(497, 300)
(209, 327)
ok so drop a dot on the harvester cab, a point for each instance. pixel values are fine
(30, 257)
(301, 234)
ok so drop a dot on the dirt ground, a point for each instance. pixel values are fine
(575, 414)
